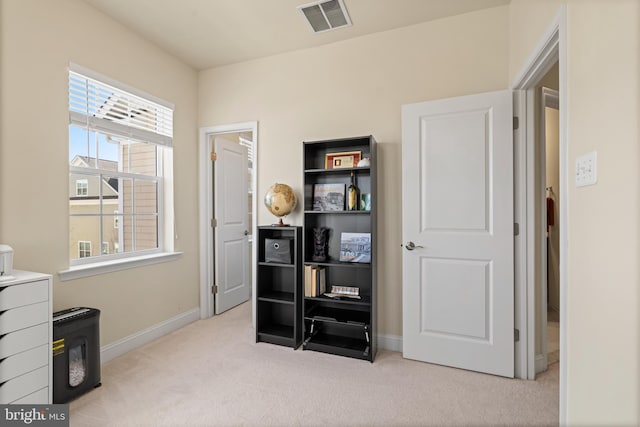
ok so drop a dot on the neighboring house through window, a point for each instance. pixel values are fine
(120, 164)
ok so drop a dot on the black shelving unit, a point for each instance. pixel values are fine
(345, 327)
(279, 291)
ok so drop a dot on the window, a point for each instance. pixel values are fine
(82, 187)
(119, 169)
(84, 249)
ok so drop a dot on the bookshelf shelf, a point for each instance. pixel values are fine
(345, 327)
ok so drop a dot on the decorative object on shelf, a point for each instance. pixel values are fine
(364, 163)
(328, 197)
(338, 292)
(353, 199)
(365, 202)
(280, 200)
(320, 244)
(343, 160)
(355, 247)
(278, 251)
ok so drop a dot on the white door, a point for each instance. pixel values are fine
(231, 250)
(458, 284)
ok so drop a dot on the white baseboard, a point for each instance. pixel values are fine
(541, 363)
(126, 344)
(390, 342)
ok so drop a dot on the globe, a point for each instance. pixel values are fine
(280, 200)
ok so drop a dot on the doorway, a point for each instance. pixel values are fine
(550, 49)
(548, 235)
(244, 136)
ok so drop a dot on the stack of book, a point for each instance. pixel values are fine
(315, 280)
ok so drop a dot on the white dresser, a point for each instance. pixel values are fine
(26, 368)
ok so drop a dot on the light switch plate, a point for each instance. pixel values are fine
(586, 169)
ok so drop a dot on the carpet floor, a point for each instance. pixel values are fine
(212, 373)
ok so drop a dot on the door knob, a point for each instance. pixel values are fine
(246, 232)
(411, 246)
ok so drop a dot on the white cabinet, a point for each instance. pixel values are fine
(26, 367)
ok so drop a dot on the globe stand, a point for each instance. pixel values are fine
(281, 224)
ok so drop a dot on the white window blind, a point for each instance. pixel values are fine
(105, 108)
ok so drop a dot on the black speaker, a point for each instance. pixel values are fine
(278, 250)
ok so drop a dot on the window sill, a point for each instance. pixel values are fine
(86, 270)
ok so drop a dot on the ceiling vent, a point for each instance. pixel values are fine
(325, 15)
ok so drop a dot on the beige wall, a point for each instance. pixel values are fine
(602, 297)
(352, 88)
(39, 38)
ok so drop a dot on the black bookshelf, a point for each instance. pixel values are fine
(344, 326)
(279, 291)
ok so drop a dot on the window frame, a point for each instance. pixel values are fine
(163, 180)
(160, 215)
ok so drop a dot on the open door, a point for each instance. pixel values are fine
(231, 250)
(458, 231)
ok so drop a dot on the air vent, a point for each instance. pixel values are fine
(325, 15)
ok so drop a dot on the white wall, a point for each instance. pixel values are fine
(602, 298)
(39, 38)
(352, 88)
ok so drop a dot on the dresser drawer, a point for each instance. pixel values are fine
(40, 397)
(24, 362)
(23, 317)
(24, 385)
(23, 339)
(27, 293)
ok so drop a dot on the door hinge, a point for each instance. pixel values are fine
(214, 289)
(516, 335)
(516, 229)
(214, 222)
(214, 156)
(516, 123)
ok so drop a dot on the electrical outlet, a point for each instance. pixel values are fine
(586, 169)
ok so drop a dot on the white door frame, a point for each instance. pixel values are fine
(548, 98)
(551, 47)
(206, 212)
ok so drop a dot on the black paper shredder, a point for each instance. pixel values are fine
(76, 352)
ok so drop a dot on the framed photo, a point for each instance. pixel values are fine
(365, 202)
(347, 159)
(328, 197)
(355, 247)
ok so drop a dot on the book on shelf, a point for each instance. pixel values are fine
(307, 280)
(321, 281)
(315, 280)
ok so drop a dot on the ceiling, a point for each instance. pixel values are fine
(211, 33)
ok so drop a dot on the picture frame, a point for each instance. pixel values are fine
(345, 159)
(328, 197)
(365, 202)
(355, 247)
